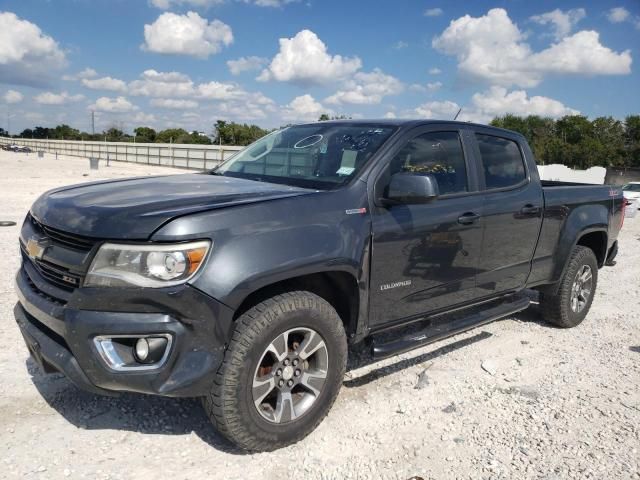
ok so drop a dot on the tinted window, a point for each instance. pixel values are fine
(632, 187)
(439, 154)
(501, 160)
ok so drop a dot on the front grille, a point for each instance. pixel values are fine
(58, 301)
(76, 242)
(59, 276)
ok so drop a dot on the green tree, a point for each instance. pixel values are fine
(41, 132)
(632, 141)
(145, 135)
(114, 134)
(231, 133)
(65, 132)
(171, 135)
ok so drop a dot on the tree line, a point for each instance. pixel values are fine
(224, 133)
(572, 140)
(577, 142)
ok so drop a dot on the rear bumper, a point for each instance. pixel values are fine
(60, 337)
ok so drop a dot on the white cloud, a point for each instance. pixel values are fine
(367, 89)
(141, 117)
(491, 48)
(246, 64)
(174, 104)
(440, 110)
(562, 22)
(162, 84)
(390, 115)
(27, 55)
(105, 83)
(497, 101)
(188, 34)
(582, 53)
(304, 59)
(429, 87)
(12, 97)
(220, 91)
(113, 105)
(304, 108)
(618, 15)
(176, 90)
(433, 12)
(86, 73)
(435, 71)
(399, 45)
(241, 111)
(50, 98)
(621, 14)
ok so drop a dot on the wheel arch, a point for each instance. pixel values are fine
(339, 288)
(594, 238)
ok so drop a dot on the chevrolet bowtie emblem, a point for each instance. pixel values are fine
(36, 247)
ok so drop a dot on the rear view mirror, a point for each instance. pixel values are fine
(411, 188)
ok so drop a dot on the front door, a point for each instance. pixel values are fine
(425, 257)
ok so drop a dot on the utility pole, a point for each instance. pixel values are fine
(93, 122)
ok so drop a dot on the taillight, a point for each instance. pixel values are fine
(625, 202)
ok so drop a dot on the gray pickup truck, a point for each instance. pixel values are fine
(245, 285)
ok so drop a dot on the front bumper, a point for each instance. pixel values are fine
(59, 335)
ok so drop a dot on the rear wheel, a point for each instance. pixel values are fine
(570, 305)
(281, 373)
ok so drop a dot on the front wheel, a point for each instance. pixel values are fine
(570, 305)
(281, 373)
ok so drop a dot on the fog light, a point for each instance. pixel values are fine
(134, 352)
(142, 350)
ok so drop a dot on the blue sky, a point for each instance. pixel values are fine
(187, 63)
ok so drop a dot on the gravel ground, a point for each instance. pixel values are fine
(514, 399)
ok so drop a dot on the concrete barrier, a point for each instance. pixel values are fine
(196, 157)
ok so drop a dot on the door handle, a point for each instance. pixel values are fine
(530, 210)
(468, 218)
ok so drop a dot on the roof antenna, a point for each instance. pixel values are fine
(455, 118)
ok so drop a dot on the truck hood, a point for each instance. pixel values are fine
(134, 208)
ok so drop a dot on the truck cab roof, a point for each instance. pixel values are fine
(406, 123)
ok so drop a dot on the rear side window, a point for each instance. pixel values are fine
(438, 154)
(502, 161)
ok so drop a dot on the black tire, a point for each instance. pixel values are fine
(557, 307)
(230, 404)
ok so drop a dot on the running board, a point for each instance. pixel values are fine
(445, 329)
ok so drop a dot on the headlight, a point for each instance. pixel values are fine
(117, 265)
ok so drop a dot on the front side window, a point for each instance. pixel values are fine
(501, 161)
(631, 187)
(438, 154)
(322, 156)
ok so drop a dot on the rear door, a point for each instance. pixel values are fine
(512, 206)
(425, 257)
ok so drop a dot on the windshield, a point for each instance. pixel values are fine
(632, 187)
(321, 156)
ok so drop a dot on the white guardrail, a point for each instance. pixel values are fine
(197, 157)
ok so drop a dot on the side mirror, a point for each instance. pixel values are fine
(411, 188)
